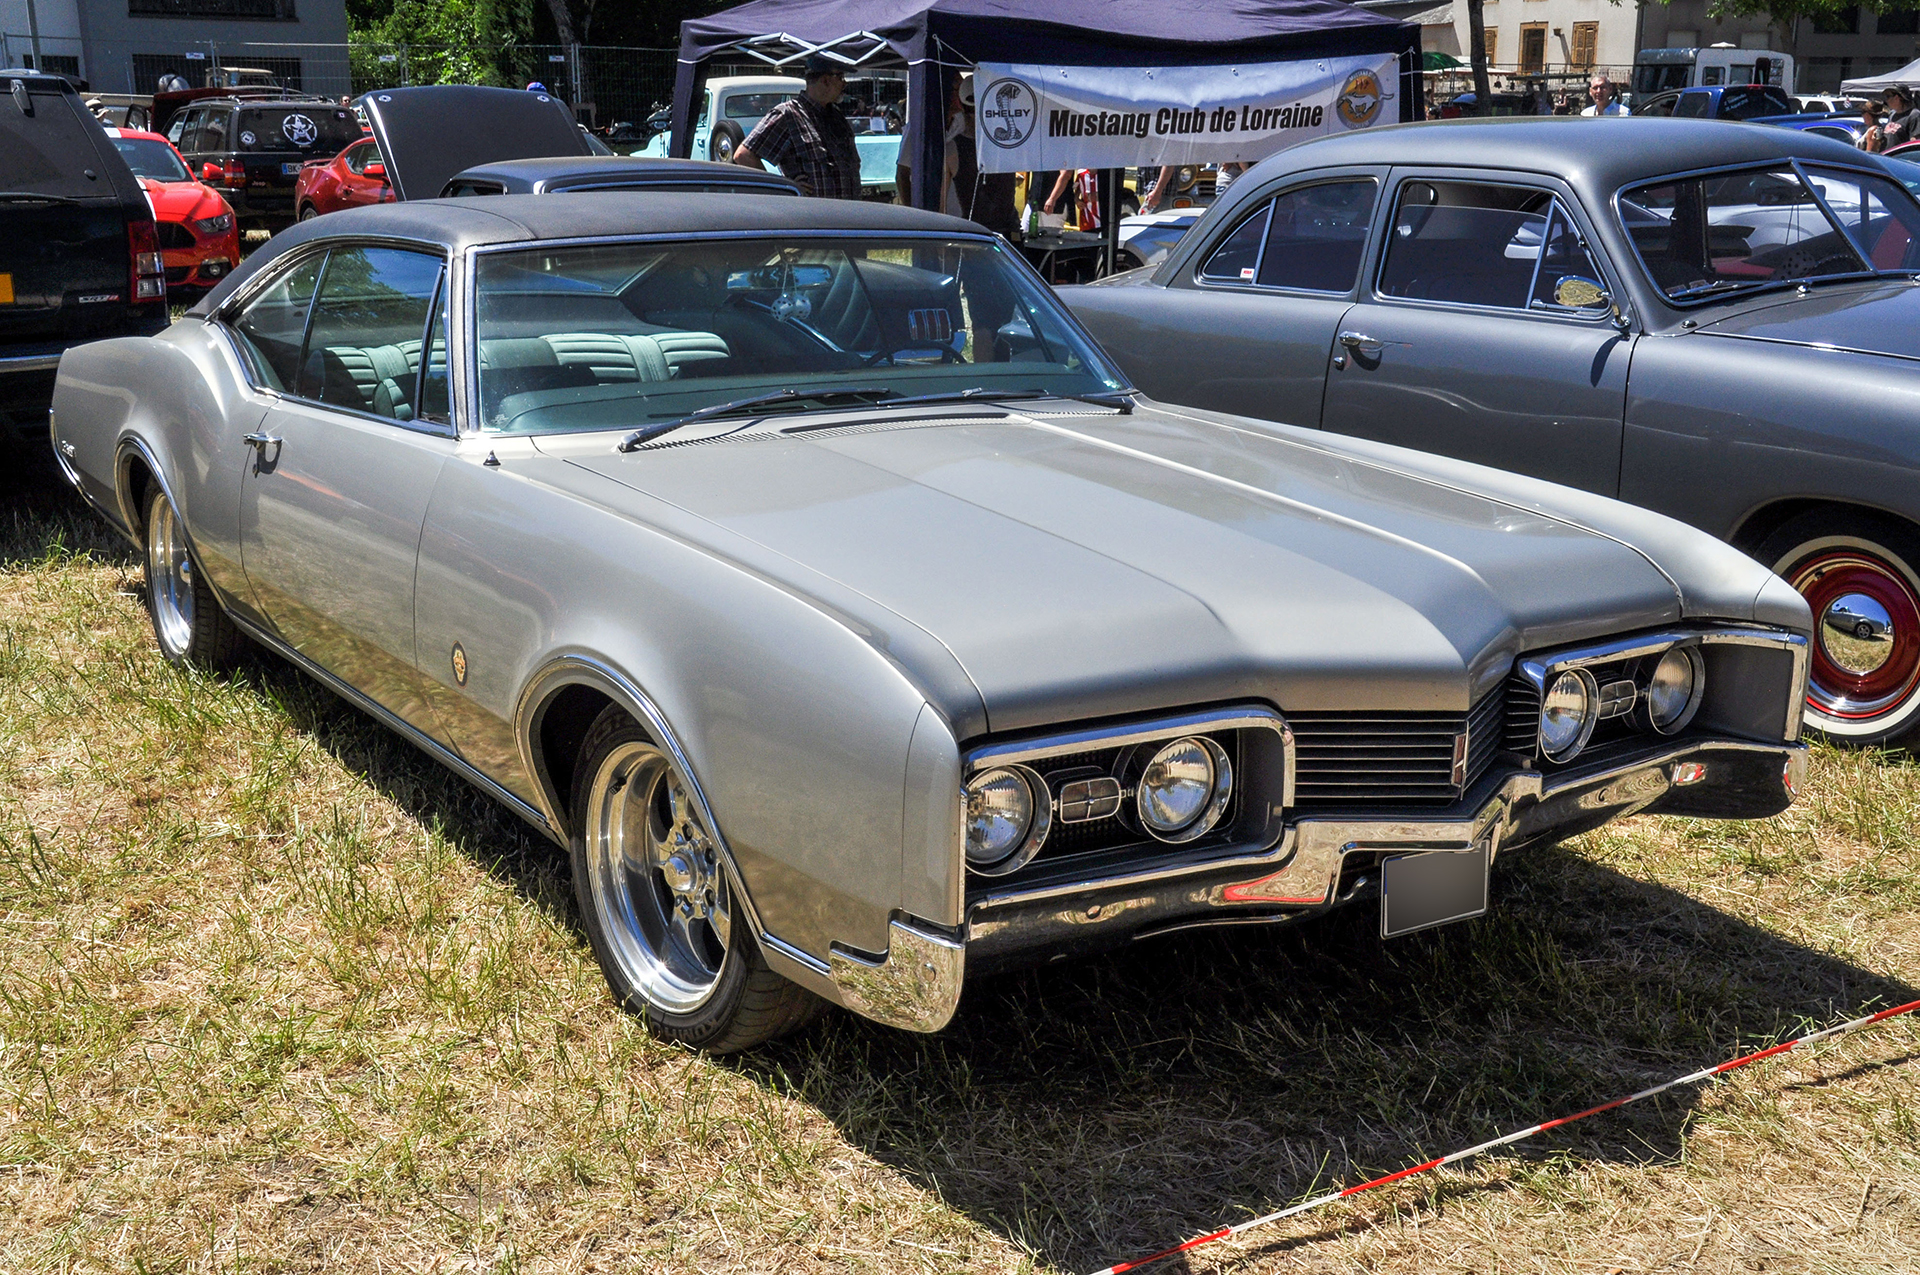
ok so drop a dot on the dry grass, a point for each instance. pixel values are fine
(276, 993)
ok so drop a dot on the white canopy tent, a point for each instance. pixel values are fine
(1907, 77)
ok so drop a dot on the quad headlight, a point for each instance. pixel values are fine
(1674, 691)
(1008, 816)
(1184, 789)
(1567, 714)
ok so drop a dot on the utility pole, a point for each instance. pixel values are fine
(33, 36)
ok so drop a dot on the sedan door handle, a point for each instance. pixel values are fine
(1360, 341)
(260, 440)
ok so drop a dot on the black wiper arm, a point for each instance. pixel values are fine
(647, 433)
(34, 196)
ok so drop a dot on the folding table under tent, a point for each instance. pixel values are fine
(1094, 83)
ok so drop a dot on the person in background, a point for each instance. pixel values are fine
(1600, 88)
(1872, 138)
(1224, 177)
(808, 138)
(1161, 190)
(1903, 122)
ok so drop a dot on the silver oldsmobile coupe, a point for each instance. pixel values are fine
(1709, 319)
(809, 572)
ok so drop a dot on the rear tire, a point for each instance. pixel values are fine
(658, 903)
(1858, 571)
(188, 620)
(308, 212)
(724, 141)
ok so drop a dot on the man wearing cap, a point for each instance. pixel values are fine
(809, 138)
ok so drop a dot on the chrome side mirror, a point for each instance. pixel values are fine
(1577, 292)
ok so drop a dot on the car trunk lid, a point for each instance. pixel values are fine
(431, 132)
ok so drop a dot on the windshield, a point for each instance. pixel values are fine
(622, 336)
(318, 129)
(1731, 232)
(149, 158)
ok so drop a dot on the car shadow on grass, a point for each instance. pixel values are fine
(1099, 1109)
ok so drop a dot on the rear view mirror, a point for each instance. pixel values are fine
(779, 278)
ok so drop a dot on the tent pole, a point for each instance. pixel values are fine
(1110, 219)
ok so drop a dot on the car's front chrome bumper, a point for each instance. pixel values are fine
(1318, 863)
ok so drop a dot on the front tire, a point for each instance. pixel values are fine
(1860, 573)
(308, 212)
(724, 141)
(658, 903)
(188, 620)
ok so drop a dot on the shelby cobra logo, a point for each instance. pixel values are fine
(1008, 113)
(299, 130)
(1359, 99)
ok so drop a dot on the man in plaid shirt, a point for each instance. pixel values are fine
(809, 138)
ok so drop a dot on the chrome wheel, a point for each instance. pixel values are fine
(1864, 680)
(659, 893)
(169, 580)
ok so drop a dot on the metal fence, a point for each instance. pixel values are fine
(602, 83)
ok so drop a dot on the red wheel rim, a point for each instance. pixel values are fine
(1834, 690)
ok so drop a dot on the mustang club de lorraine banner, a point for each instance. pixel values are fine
(1049, 117)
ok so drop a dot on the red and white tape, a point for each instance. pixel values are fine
(1691, 1078)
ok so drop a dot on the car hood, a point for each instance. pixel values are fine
(430, 132)
(181, 201)
(1875, 318)
(1086, 564)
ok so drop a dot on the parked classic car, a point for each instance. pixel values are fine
(740, 102)
(808, 571)
(1702, 319)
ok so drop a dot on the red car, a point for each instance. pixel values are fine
(352, 179)
(199, 240)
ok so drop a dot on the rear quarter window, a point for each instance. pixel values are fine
(48, 151)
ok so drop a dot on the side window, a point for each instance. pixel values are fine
(1693, 105)
(1466, 243)
(274, 324)
(177, 131)
(434, 405)
(1568, 278)
(213, 131)
(357, 158)
(1316, 236)
(1659, 106)
(1238, 255)
(364, 345)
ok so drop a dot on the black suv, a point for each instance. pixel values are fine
(251, 149)
(79, 254)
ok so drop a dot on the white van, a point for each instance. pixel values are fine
(1661, 70)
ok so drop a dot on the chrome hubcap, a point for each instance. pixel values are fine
(659, 892)
(1866, 648)
(169, 580)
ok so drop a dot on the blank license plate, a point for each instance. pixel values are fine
(1419, 891)
(289, 170)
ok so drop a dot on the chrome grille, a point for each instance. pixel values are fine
(1391, 759)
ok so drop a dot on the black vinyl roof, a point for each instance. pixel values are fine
(457, 224)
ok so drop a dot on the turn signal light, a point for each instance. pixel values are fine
(149, 269)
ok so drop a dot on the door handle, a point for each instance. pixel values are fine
(260, 440)
(1360, 341)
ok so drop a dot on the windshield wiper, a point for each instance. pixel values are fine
(34, 197)
(647, 433)
(1119, 400)
(1701, 289)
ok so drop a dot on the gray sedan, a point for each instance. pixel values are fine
(807, 571)
(1712, 320)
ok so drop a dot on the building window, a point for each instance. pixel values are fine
(1681, 38)
(1900, 22)
(1533, 47)
(1837, 21)
(1586, 38)
(1493, 41)
(247, 10)
(53, 64)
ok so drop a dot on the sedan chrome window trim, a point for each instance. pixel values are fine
(1563, 199)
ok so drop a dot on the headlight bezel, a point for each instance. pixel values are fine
(1220, 793)
(1033, 837)
(1590, 694)
(218, 224)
